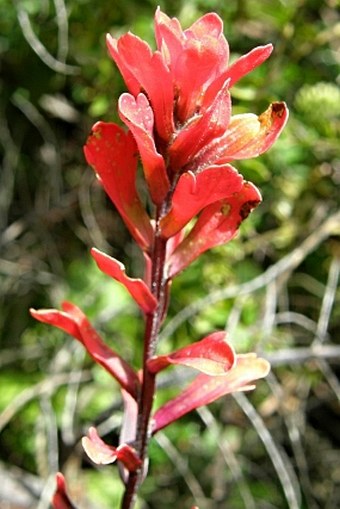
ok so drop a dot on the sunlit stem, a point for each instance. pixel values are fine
(152, 327)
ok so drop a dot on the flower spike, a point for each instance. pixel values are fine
(180, 128)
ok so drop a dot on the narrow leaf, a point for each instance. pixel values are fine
(73, 321)
(212, 355)
(205, 389)
(136, 287)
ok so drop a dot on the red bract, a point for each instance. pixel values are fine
(146, 71)
(247, 136)
(212, 356)
(113, 155)
(139, 117)
(73, 321)
(136, 287)
(205, 389)
(195, 56)
(194, 192)
(60, 498)
(102, 454)
(217, 224)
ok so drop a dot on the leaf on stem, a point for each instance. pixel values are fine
(205, 389)
(135, 286)
(217, 224)
(212, 356)
(61, 499)
(195, 192)
(103, 454)
(73, 321)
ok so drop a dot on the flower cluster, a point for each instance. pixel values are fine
(179, 124)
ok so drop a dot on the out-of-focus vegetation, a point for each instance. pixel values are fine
(274, 288)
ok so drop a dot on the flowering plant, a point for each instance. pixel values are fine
(179, 121)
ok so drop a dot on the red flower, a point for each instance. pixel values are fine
(179, 112)
(186, 72)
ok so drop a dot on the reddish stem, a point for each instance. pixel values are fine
(152, 326)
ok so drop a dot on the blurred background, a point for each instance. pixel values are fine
(274, 288)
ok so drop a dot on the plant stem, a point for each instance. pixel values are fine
(152, 327)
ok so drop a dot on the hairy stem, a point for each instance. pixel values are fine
(152, 326)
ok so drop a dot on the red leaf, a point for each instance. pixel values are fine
(217, 224)
(205, 389)
(212, 355)
(138, 116)
(247, 136)
(195, 192)
(139, 65)
(247, 63)
(73, 321)
(59, 319)
(113, 155)
(60, 498)
(102, 454)
(136, 287)
(241, 67)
